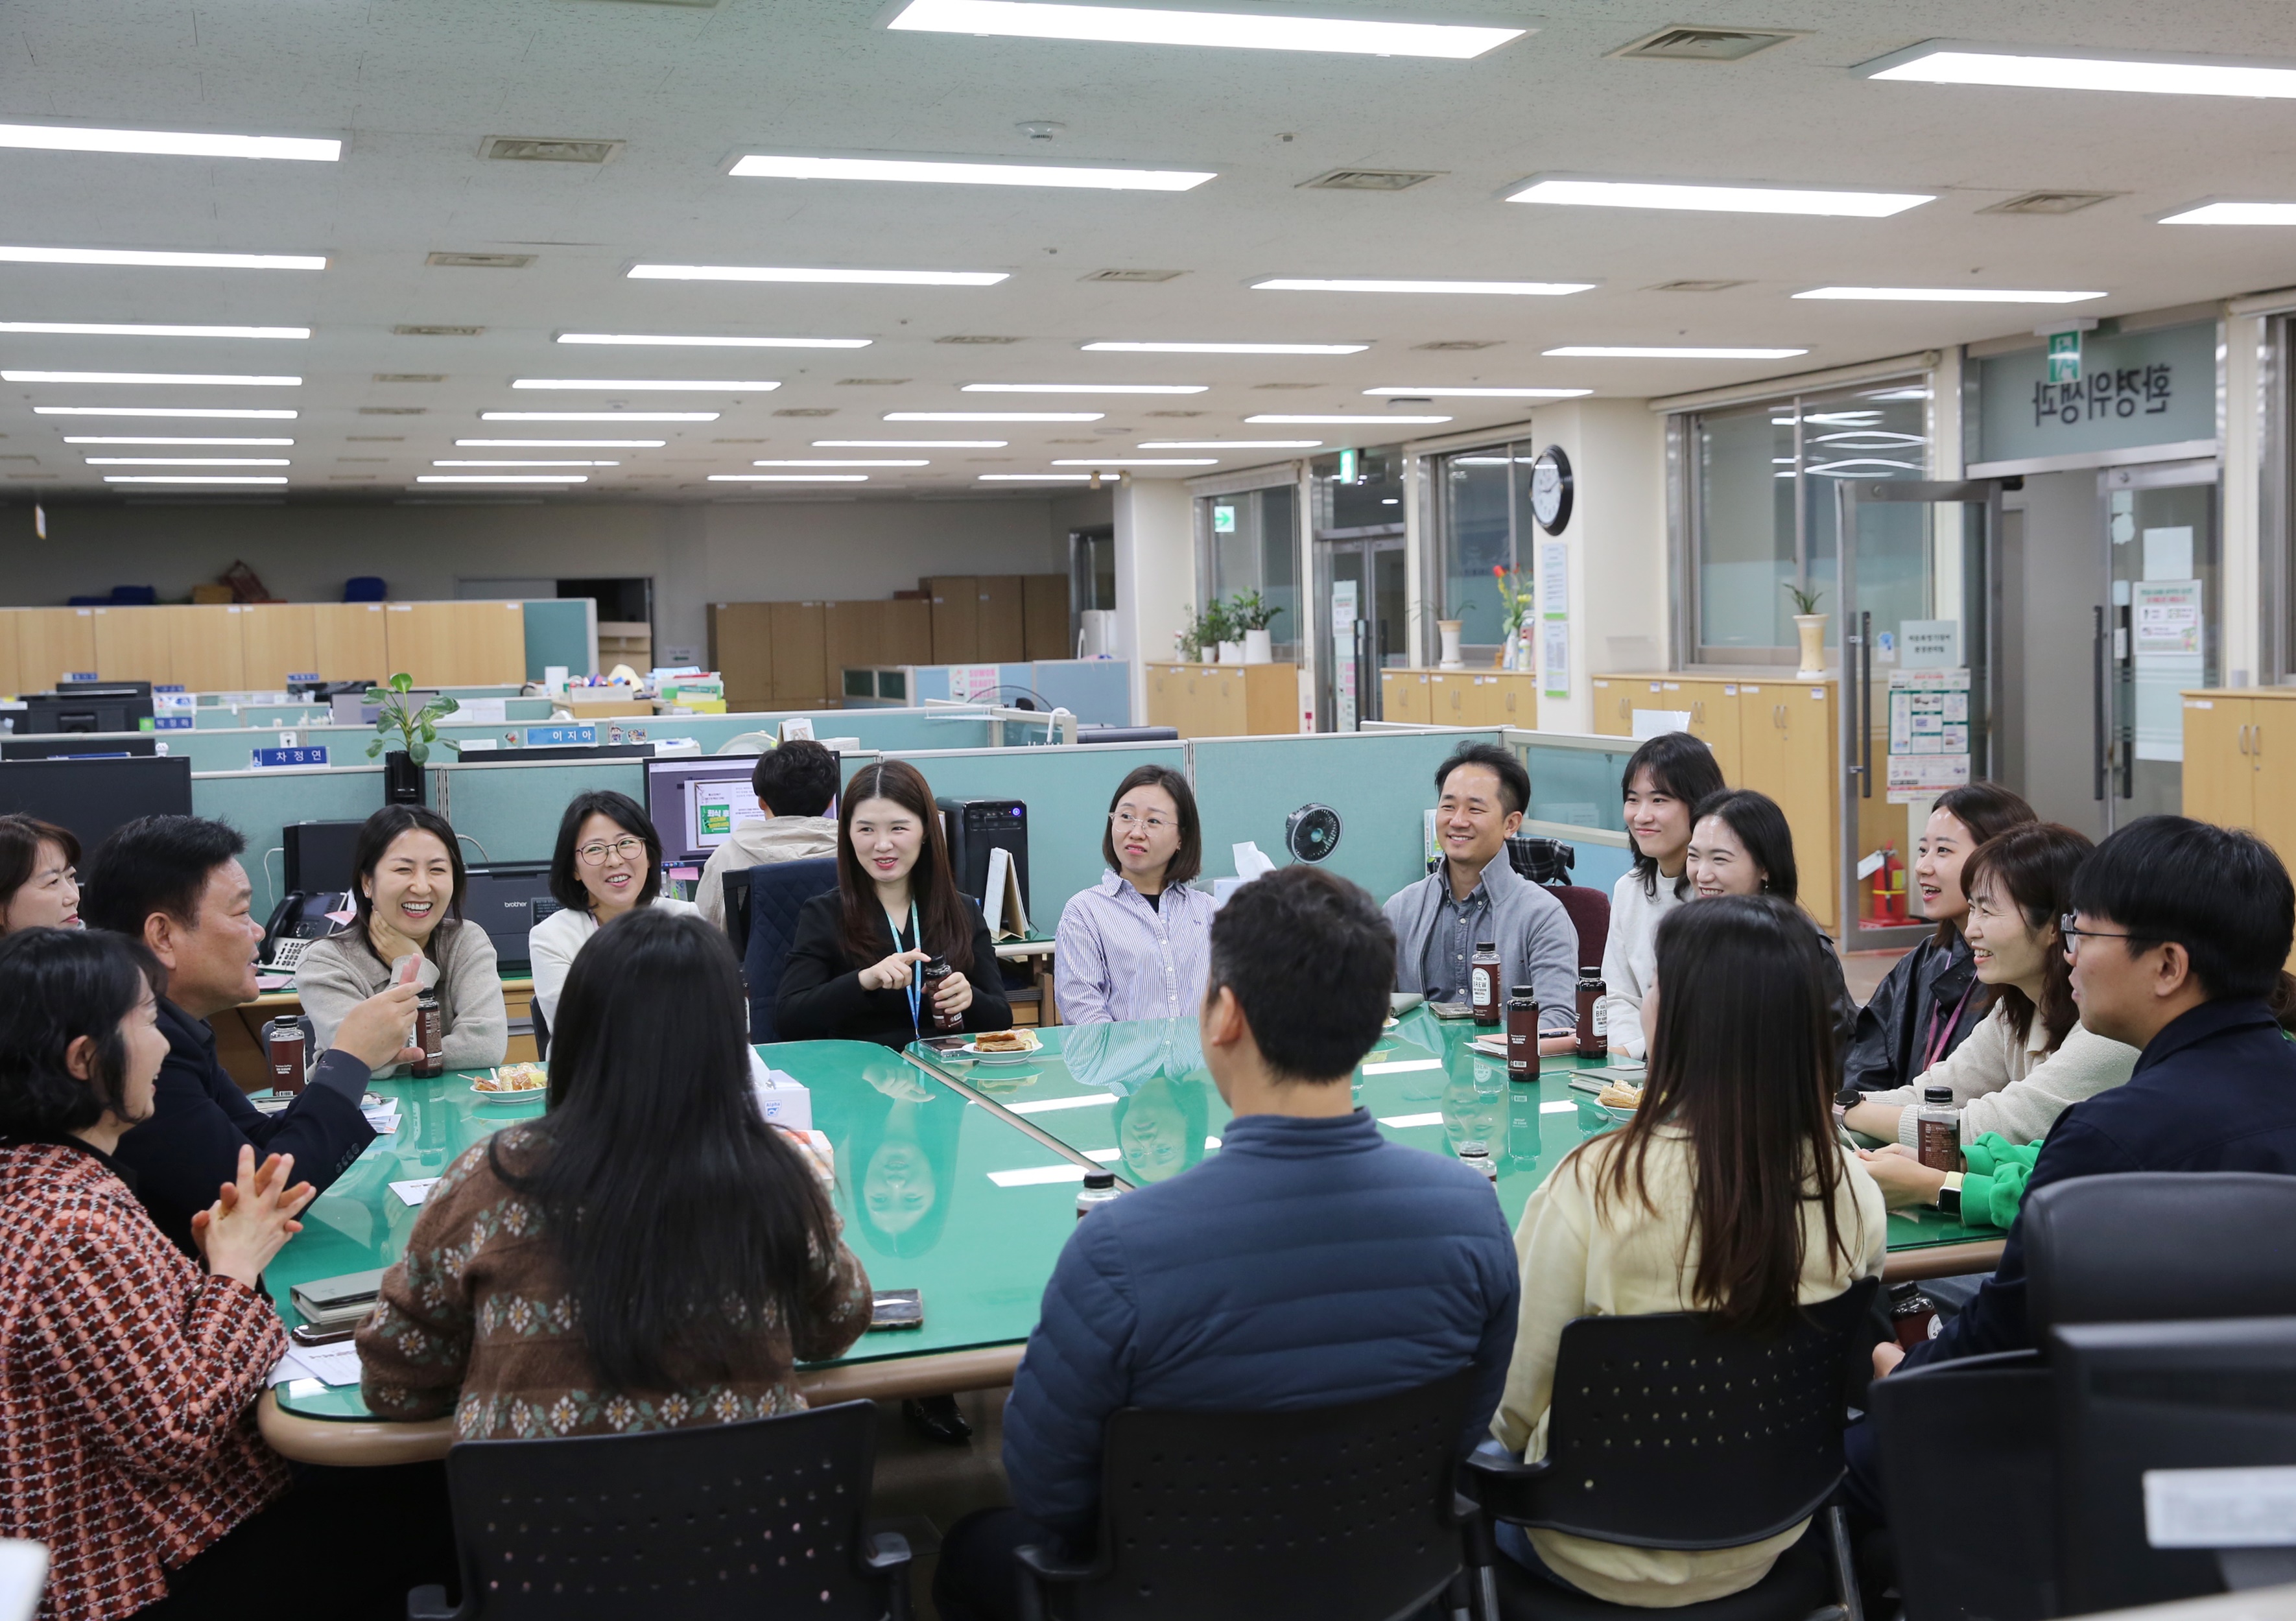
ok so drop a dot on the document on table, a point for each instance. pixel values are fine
(383, 1116)
(335, 1364)
(415, 1192)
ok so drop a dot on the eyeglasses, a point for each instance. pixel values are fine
(594, 854)
(2074, 936)
(1128, 821)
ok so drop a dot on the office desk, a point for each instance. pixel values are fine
(238, 1033)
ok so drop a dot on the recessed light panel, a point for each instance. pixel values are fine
(1633, 351)
(1536, 290)
(910, 443)
(769, 273)
(1350, 422)
(470, 462)
(699, 342)
(167, 142)
(186, 461)
(197, 379)
(1033, 477)
(1949, 295)
(190, 479)
(788, 478)
(993, 417)
(105, 328)
(1229, 349)
(650, 385)
(844, 461)
(1231, 443)
(141, 257)
(1136, 461)
(161, 440)
(1568, 192)
(501, 479)
(1084, 388)
(1141, 25)
(2233, 214)
(1080, 177)
(176, 411)
(561, 444)
(1445, 393)
(1941, 63)
(598, 416)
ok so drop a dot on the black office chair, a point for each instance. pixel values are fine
(1340, 1513)
(1667, 1432)
(540, 1020)
(1972, 1471)
(723, 1522)
(736, 891)
(778, 889)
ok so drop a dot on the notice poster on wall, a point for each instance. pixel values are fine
(2165, 645)
(1929, 734)
(1555, 620)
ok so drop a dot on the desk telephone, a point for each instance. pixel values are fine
(298, 920)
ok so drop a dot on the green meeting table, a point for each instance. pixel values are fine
(957, 1177)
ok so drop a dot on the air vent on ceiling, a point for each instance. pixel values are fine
(737, 441)
(374, 438)
(1177, 413)
(1369, 179)
(975, 337)
(1285, 385)
(481, 261)
(871, 382)
(1694, 286)
(1047, 441)
(806, 410)
(436, 332)
(391, 410)
(1698, 44)
(1461, 344)
(377, 460)
(1134, 275)
(410, 377)
(540, 149)
(2051, 202)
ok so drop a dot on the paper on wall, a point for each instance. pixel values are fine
(1657, 723)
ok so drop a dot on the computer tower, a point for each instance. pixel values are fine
(319, 856)
(974, 827)
(506, 898)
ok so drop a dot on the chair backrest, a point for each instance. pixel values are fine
(736, 895)
(2148, 1413)
(1342, 1513)
(1667, 1432)
(1590, 915)
(540, 1020)
(777, 891)
(764, 1518)
(746, 742)
(2160, 1246)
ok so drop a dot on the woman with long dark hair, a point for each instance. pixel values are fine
(1728, 1193)
(2031, 1058)
(1664, 780)
(858, 970)
(1930, 1001)
(650, 1254)
(408, 898)
(39, 874)
(607, 863)
(1741, 844)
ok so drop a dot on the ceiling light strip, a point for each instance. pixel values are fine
(1536, 290)
(1141, 25)
(168, 411)
(1718, 199)
(1938, 63)
(703, 341)
(149, 258)
(656, 385)
(107, 329)
(598, 416)
(1630, 351)
(1950, 295)
(1112, 348)
(761, 166)
(172, 379)
(862, 278)
(993, 417)
(167, 142)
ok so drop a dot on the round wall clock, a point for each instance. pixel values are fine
(1550, 489)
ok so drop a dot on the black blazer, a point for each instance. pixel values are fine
(821, 995)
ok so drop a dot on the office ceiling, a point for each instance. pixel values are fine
(417, 87)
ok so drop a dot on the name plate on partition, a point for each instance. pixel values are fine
(293, 676)
(71, 675)
(270, 759)
(560, 737)
(171, 723)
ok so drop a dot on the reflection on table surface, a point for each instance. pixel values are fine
(1137, 1099)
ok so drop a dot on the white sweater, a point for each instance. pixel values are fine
(1630, 960)
(2017, 1088)
(552, 945)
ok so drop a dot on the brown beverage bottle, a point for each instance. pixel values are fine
(1522, 1034)
(1594, 1026)
(1483, 982)
(1936, 1130)
(430, 1035)
(936, 975)
(283, 1041)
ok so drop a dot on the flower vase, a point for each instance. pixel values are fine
(1258, 647)
(1811, 628)
(1448, 630)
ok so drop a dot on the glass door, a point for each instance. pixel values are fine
(2159, 631)
(1360, 607)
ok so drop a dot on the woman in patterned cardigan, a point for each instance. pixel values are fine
(128, 1376)
(650, 1254)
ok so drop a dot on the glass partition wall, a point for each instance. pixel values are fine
(1480, 514)
(1249, 541)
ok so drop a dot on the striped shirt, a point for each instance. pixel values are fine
(1117, 957)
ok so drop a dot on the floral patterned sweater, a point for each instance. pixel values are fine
(476, 1319)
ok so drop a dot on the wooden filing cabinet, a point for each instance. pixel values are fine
(349, 642)
(2240, 762)
(1403, 696)
(9, 684)
(281, 639)
(1224, 699)
(52, 642)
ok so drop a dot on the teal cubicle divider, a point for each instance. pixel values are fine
(511, 811)
(558, 632)
(259, 802)
(525, 710)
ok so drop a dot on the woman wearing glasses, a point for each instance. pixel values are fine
(1136, 944)
(608, 862)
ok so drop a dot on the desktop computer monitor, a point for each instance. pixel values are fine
(90, 706)
(57, 745)
(92, 795)
(697, 804)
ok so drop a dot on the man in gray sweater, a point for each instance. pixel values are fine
(1477, 895)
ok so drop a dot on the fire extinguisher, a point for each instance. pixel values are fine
(1889, 887)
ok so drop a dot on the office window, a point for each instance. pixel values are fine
(1483, 520)
(1253, 545)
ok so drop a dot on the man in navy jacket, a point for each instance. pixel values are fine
(1310, 1262)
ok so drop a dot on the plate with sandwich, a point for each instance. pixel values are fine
(1002, 1046)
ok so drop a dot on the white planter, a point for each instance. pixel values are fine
(1231, 652)
(1448, 630)
(1258, 647)
(1810, 627)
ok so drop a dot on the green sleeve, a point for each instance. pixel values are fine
(1995, 1182)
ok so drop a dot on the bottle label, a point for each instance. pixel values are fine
(1602, 1018)
(1938, 1144)
(1482, 985)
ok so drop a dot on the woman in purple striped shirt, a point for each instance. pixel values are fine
(1137, 944)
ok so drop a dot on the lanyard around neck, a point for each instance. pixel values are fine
(916, 969)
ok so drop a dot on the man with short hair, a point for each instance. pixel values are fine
(1476, 896)
(795, 784)
(175, 884)
(1310, 1263)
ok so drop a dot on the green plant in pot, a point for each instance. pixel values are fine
(398, 721)
(1809, 626)
(1214, 626)
(1251, 614)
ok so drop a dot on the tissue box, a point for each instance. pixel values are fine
(783, 1099)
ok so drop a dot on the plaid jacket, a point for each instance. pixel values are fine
(127, 1385)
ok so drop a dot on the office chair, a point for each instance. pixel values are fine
(541, 1023)
(717, 1522)
(736, 891)
(1342, 1513)
(1590, 915)
(777, 891)
(1667, 1432)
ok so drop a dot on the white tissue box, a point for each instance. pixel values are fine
(782, 1099)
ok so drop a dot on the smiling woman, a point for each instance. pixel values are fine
(608, 862)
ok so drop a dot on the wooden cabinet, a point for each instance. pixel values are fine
(9, 684)
(741, 638)
(1224, 699)
(800, 641)
(998, 629)
(1044, 617)
(1449, 697)
(2240, 762)
(131, 645)
(490, 644)
(52, 642)
(956, 618)
(278, 640)
(1507, 698)
(207, 647)
(1403, 696)
(349, 643)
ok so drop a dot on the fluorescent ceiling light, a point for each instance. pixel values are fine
(1085, 388)
(473, 463)
(1230, 348)
(702, 341)
(110, 439)
(1942, 64)
(873, 278)
(501, 479)
(1634, 351)
(1231, 443)
(759, 166)
(561, 444)
(1437, 393)
(1135, 462)
(1034, 478)
(188, 479)
(275, 416)
(1950, 295)
(1140, 25)
(788, 478)
(1352, 422)
(910, 443)
(167, 143)
(694, 385)
(187, 378)
(1366, 284)
(187, 461)
(993, 417)
(841, 462)
(181, 261)
(2233, 214)
(598, 416)
(109, 329)
(1720, 199)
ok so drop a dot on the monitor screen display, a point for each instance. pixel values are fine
(697, 804)
(92, 795)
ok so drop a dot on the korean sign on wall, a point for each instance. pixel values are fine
(2151, 387)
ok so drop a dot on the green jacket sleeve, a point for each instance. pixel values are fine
(1994, 1181)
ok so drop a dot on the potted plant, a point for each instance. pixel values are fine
(414, 729)
(1516, 602)
(1217, 630)
(1252, 615)
(1810, 626)
(1188, 641)
(1449, 630)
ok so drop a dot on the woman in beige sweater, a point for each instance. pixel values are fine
(2030, 1059)
(1728, 1193)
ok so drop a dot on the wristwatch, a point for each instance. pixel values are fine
(1949, 1197)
